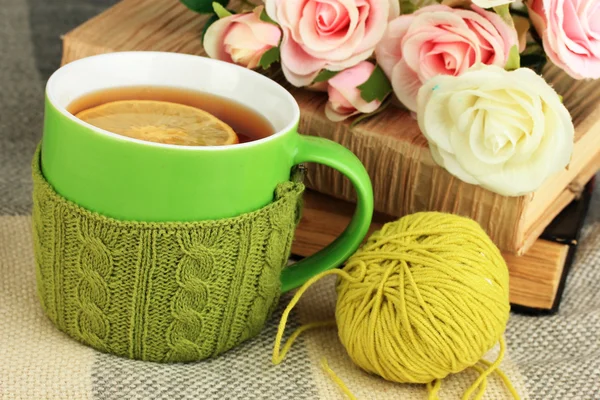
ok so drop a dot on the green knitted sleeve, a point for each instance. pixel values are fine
(163, 292)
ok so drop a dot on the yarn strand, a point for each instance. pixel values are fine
(433, 388)
(492, 367)
(279, 353)
(425, 297)
(336, 379)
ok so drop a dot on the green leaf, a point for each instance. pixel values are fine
(514, 59)
(265, 17)
(325, 75)
(504, 12)
(271, 56)
(213, 18)
(221, 11)
(203, 6)
(377, 87)
(407, 7)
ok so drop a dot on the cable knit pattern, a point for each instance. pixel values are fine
(166, 292)
(185, 335)
(94, 264)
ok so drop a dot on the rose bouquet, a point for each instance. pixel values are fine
(469, 71)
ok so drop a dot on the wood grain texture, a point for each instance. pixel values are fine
(405, 178)
(534, 277)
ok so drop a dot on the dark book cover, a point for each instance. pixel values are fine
(565, 229)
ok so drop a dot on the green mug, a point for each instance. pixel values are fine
(133, 180)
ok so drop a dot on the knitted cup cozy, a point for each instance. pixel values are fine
(166, 292)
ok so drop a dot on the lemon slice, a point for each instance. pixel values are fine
(160, 122)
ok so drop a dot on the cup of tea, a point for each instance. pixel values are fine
(149, 235)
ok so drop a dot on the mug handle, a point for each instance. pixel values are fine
(334, 155)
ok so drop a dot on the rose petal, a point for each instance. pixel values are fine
(406, 84)
(432, 27)
(264, 32)
(448, 161)
(331, 34)
(453, 58)
(508, 36)
(389, 50)
(213, 39)
(525, 177)
(314, 41)
(593, 20)
(335, 65)
(331, 18)
(299, 68)
(373, 14)
(491, 3)
(271, 7)
(337, 114)
(289, 13)
(466, 156)
(394, 11)
(338, 99)
(565, 42)
(435, 120)
(242, 37)
(437, 8)
(345, 85)
(575, 38)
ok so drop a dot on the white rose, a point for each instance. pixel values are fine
(506, 131)
(491, 3)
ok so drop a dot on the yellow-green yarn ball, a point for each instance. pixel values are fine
(428, 296)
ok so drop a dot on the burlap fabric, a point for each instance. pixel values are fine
(554, 357)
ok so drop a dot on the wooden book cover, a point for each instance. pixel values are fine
(405, 178)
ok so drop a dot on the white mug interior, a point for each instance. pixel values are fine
(141, 68)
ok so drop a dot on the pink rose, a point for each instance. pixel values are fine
(328, 34)
(345, 99)
(241, 38)
(570, 31)
(439, 40)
